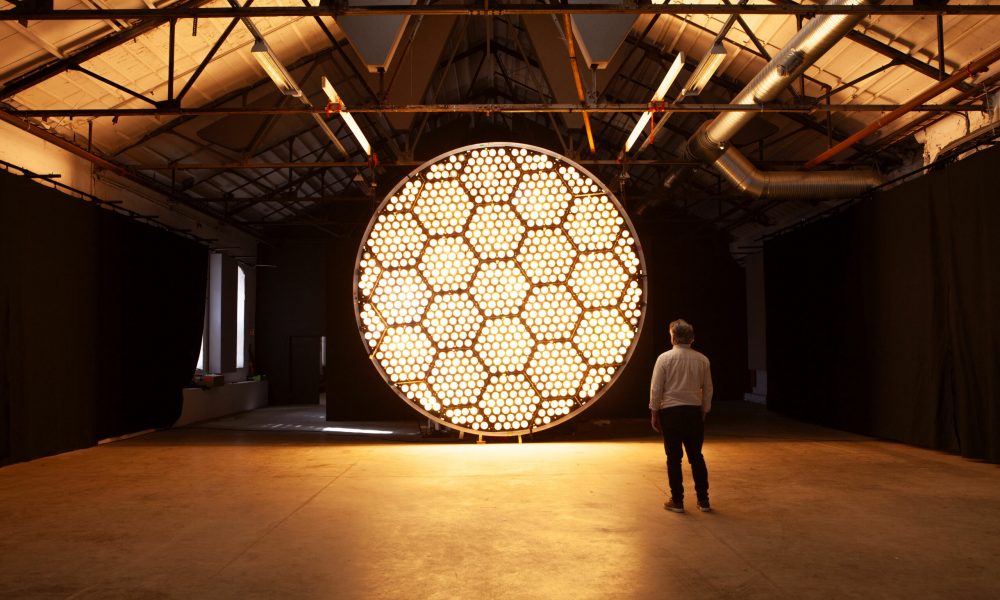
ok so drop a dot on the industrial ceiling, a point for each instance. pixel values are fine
(169, 94)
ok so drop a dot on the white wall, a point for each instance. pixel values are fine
(202, 405)
(25, 150)
(952, 128)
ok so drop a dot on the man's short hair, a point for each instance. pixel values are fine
(682, 331)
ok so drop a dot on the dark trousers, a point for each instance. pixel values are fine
(684, 430)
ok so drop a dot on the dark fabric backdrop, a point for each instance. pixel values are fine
(690, 275)
(291, 303)
(100, 321)
(883, 319)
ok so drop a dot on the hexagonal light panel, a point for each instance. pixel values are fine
(499, 289)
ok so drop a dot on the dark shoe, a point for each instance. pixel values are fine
(677, 507)
(704, 506)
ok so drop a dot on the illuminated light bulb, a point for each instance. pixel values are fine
(513, 249)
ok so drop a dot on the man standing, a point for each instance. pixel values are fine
(680, 395)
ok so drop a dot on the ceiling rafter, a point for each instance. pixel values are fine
(358, 78)
(217, 107)
(201, 147)
(98, 47)
(36, 39)
(413, 136)
(271, 190)
(888, 51)
(496, 9)
(511, 107)
(487, 66)
(734, 87)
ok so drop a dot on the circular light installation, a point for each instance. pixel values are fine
(499, 289)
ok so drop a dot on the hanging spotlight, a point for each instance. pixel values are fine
(499, 289)
(658, 95)
(348, 117)
(274, 69)
(705, 70)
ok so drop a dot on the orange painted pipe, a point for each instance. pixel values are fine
(576, 79)
(970, 70)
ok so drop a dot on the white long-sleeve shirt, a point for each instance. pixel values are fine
(681, 377)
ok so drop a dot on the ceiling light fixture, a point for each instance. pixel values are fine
(348, 117)
(705, 70)
(500, 289)
(658, 95)
(283, 79)
(274, 69)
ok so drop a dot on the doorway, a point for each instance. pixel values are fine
(305, 367)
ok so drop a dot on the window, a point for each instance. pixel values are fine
(241, 296)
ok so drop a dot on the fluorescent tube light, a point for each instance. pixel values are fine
(274, 69)
(639, 126)
(669, 78)
(658, 95)
(348, 117)
(705, 70)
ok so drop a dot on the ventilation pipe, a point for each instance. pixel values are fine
(711, 142)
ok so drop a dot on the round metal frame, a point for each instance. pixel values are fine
(385, 265)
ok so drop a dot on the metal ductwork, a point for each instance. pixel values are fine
(711, 142)
(791, 184)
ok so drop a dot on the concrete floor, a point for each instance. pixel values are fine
(237, 512)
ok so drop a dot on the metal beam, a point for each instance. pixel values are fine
(886, 50)
(940, 45)
(113, 167)
(359, 78)
(753, 37)
(313, 155)
(59, 142)
(413, 136)
(345, 164)
(170, 60)
(980, 64)
(208, 58)
(36, 76)
(530, 68)
(833, 91)
(219, 102)
(734, 86)
(982, 91)
(488, 108)
(574, 67)
(113, 84)
(902, 57)
(37, 40)
(495, 10)
(690, 64)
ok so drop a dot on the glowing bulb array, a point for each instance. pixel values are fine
(499, 288)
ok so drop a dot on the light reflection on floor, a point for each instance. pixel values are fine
(309, 418)
(287, 510)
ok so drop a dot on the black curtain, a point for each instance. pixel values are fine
(690, 274)
(354, 388)
(100, 321)
(883, 319)
(153, 283)
(291, 307)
